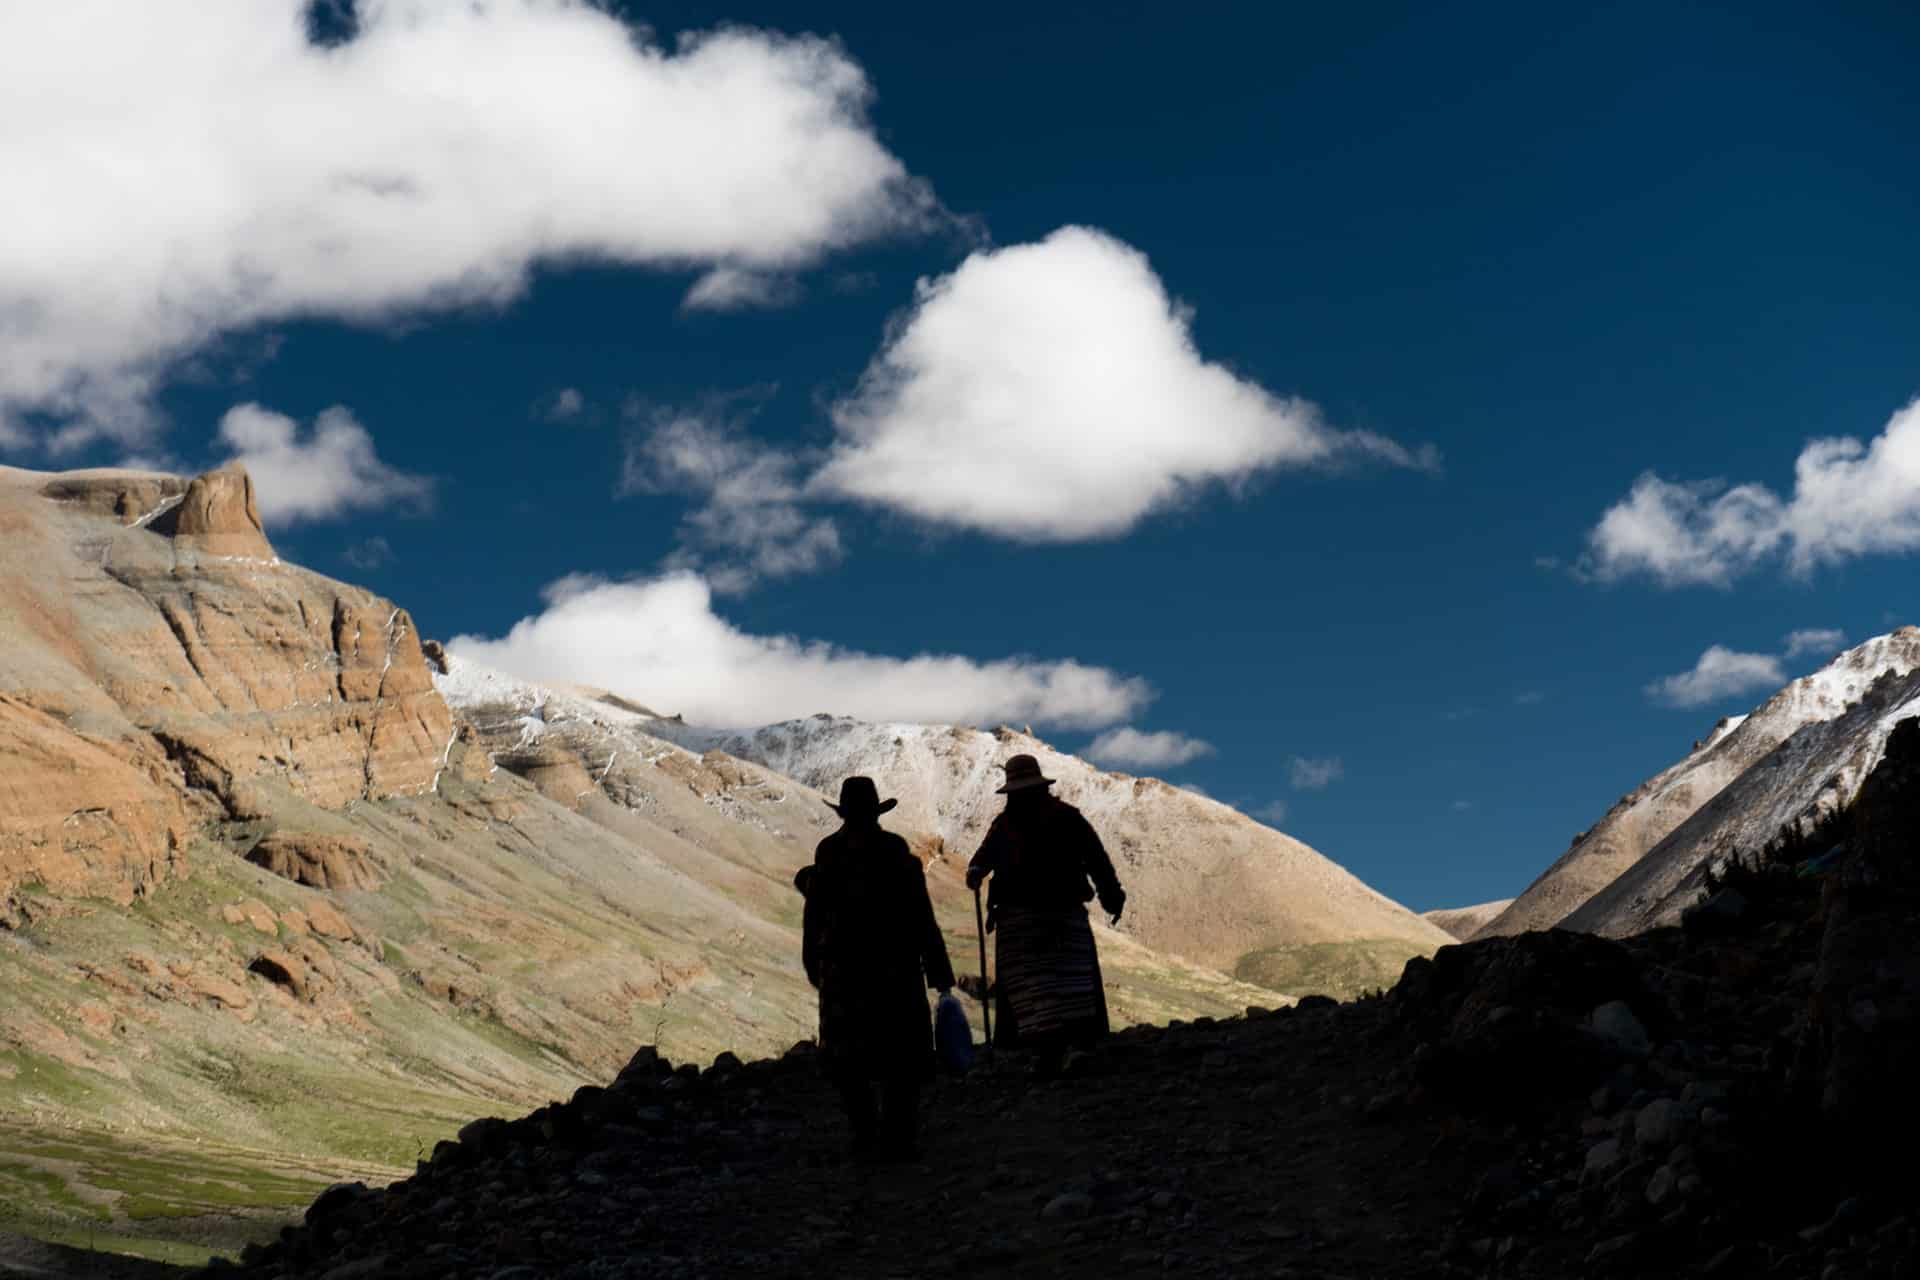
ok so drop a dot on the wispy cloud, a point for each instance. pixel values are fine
(736, 289)
(1272, 813)
(568, 404)
(1815, 640)
(369, 553)
(1308, 773)
(1849, 499)
(1130, 748)
(1720, 673)
(750, 522)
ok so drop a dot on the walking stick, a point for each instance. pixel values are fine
(986, 995)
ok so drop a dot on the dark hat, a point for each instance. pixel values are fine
(1023, 772)
(859, 798)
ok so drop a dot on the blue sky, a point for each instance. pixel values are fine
(1293, 376)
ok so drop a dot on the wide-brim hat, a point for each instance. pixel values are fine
(1023, 773)
(859, 798)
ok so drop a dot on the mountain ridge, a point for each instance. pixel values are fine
(1652, 812)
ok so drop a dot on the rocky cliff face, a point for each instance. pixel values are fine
(1790, 793)
(1651, 813)
(165, 669)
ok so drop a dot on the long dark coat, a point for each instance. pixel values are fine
(871, 946)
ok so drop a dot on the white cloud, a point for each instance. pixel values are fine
(736, 289)
(1529, 698)
(1130, 748)
(1815, 640)
(1462, 806)
(659, 642)
(750, 524)
(370, 553)
(329, 471)
(1052, 392)
(564, 405)
(1849, 499)
(1720, 673)
(1310, 774)
(1272, 814)
(177, 169)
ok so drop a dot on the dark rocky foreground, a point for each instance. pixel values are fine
(1736, 1098)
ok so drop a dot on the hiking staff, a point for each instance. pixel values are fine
(986, 996)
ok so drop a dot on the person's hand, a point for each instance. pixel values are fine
(974, 876)
(1113, 904)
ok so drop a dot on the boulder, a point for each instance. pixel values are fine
(322, 861)
(325, 919)
(1507, 1021)
(285, 970)
(230, 995)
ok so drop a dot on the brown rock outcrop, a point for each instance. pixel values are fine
(220, 517)
(125, 495)
(325, 862)
(285, 970)
(326, 921)
(158, 668)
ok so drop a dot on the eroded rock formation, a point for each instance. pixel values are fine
(162, 668)
(323, 861)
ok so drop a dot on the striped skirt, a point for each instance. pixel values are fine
(1049, 975)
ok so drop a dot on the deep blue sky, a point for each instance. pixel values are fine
(1563, 248)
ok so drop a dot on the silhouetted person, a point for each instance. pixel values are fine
(1047, 863)
(872, 948)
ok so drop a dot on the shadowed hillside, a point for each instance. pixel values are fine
(1684, 1103)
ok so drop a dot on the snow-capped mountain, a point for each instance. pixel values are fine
(1205, 881)
(1791, 791)
(1793, 759)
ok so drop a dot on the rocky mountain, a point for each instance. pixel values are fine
(1707, 1102)
(1204, 881)
(164, 669)
(596, 753)
(1656, 809)
(1791, 793)
(273, 913)
(1464, 922)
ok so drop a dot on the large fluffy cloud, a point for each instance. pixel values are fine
(660, 642)
(1720, 673)
(180, 168)
(1052, 391)
(328, 471)
(1849, 499)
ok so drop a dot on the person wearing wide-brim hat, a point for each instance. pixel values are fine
(1046, 863)
(872, 948)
